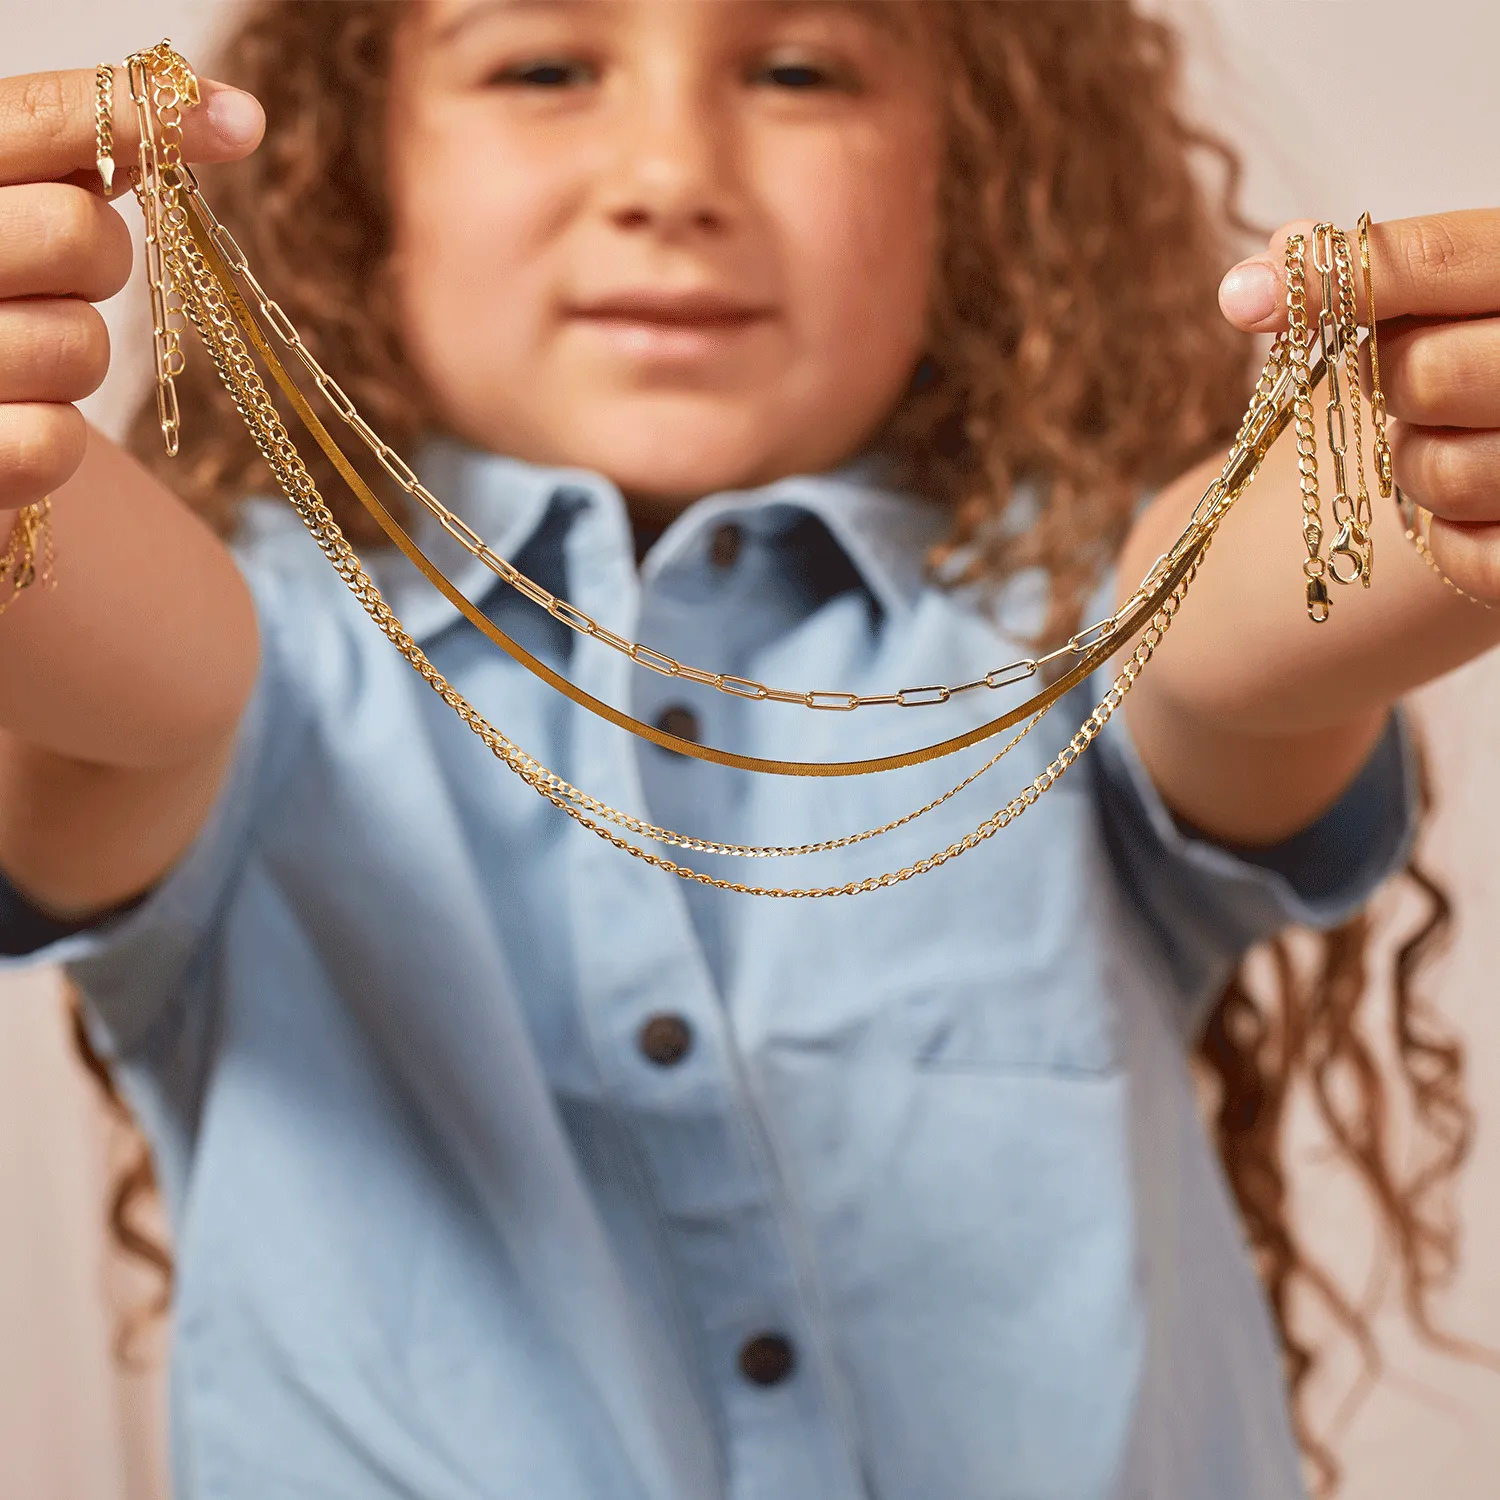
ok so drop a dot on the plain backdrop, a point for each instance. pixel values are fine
(1337, 107)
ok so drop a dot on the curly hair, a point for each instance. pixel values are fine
(1075, 347)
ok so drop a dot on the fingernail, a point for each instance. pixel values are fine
(1249, 293)
(234, 114)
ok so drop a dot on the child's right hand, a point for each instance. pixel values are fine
(63, 247)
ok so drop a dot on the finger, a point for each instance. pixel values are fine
(51, 349)
(1469, 556)
(1442, 374)
(1434, 265)
(1455, 473)
(47, 125)
(1253, 294)
(41, 444)
(59, 241)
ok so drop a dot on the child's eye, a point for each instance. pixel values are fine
(545, 73)
(798, 74)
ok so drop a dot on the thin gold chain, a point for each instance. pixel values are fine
(1319, 604)
(160, 84)
(1417, 520)
(1330, 340)
(1355, 539)
(104, 125)
(1383, 469)
(243, 380)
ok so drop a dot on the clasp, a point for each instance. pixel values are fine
(1349, 556)
(1319, 605)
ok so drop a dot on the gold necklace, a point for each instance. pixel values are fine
(193, 264)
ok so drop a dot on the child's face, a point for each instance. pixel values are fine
(687, 243)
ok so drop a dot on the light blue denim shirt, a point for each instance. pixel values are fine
(503, 1165)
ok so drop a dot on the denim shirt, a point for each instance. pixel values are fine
(502, 1165)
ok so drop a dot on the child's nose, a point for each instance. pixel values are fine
(654, 203)
(672, 172)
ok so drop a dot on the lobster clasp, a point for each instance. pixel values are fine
(1349, 556)
(1319, 605)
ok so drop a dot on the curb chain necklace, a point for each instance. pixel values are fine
(193, 265)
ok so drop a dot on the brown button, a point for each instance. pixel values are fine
(666, 1039)
(678, 719)
(767, 1359)
(724, 545)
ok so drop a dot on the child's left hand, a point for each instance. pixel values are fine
(1437, 298)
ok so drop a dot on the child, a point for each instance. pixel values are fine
(500, 1164)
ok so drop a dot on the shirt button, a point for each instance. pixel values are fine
(724, 545)
(666, 1039)
(767, 1359)
(679, 719)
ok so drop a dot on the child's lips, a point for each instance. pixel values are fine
(673, 327)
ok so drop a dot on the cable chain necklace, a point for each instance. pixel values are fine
(193, 265)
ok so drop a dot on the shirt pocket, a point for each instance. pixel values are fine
(1015, 1020)
(1021, 978)
(1005, 960)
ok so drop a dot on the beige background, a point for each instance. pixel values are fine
(1284, 80)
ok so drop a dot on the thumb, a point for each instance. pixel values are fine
(47, 123)
(1444, 265)
(233, 123)
(1253, 294)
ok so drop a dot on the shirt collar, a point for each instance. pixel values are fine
(885, 533)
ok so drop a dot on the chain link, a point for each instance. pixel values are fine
(104, 125)
(160, 83)
(1377, 393)
(1355, 539)
(1330, 341)
(1319, 605)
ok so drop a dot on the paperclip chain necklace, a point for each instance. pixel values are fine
(401, 472)
(192, 262)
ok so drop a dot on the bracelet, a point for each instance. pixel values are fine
(1418, 522)
(28, 556)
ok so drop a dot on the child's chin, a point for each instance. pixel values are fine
(681, 449)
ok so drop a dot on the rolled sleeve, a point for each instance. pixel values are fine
(1207, 903)
(135, 965)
